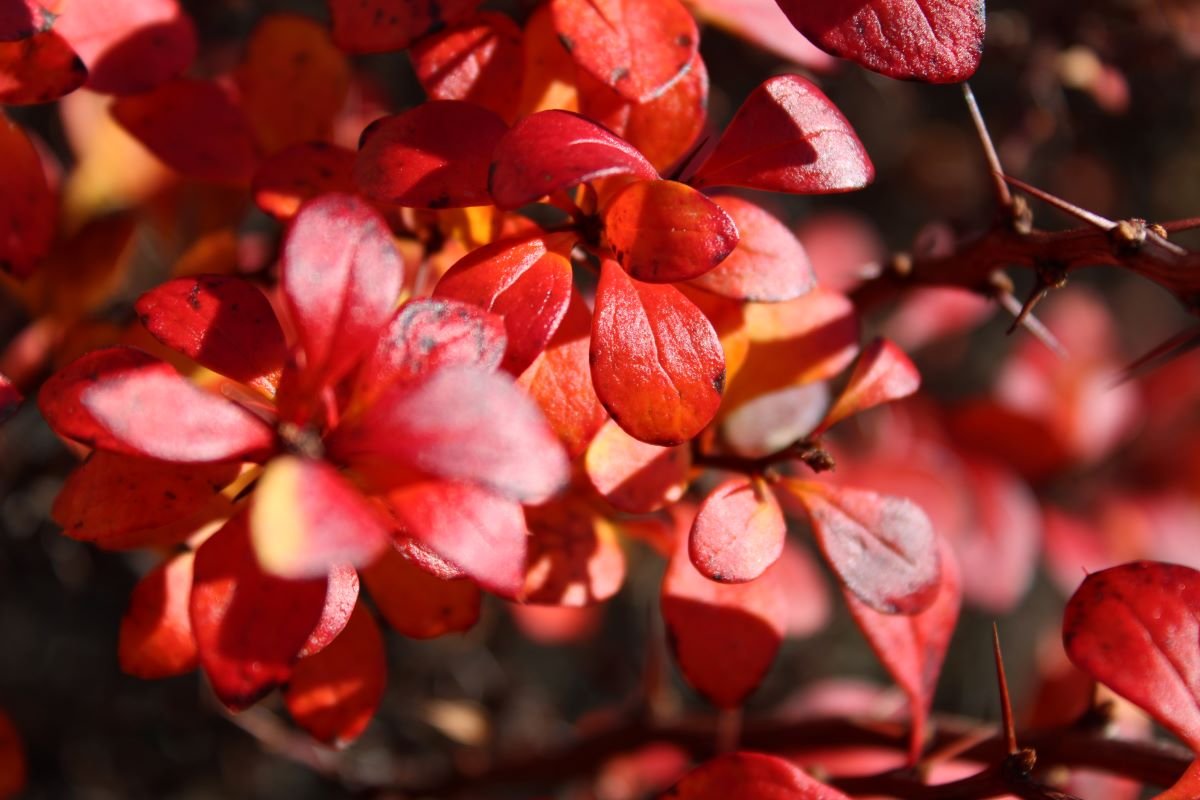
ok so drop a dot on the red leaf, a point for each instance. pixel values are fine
(657, 363)
(763, 24)
(635, 476)
(768, 265)
(428, 335)
(480, 532)
(433, 156)
(340, 275)
(417, 603)
(938, 41)
(788, 137)
(575, 558)
(883, 548)
(293, 81)
(301, 172)
(724, 635)
(526, 282)
(460, 424)
(249, 626)
(20, 19)
(156, 633)
(663, 231)
(560, 380)
(341, 596)
(129, 46)
(225, 324)
(1136, 628)
(912, 647)
(126, 401)
(112, 496)
(666, 128)
(334, 694)
(194, 127)
(554, 150)
(638, 47)
(28, 208)
(39, 69)
(737, 775)
(306, 517)
(10, 398)
(1186, 788)
(379, 26)
(883, 374)
(739, 531)
(479, 60)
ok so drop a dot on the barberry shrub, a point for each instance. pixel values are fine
(542, 334)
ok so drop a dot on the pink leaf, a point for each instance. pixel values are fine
(739, 531)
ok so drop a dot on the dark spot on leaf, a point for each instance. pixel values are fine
(719, 382)
(567, 43)
(618, 74)
(441, 201)
(193, 297)
(683, 40)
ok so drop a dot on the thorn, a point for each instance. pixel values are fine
(1174, 347)
(1036, 295)
(1082, 214)
(989, 148)
(1032, 324)
(1180, 225)
(1010, 730)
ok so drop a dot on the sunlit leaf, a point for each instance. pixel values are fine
(28, 208)
(912, 647)
(883, 374)
(663, 231)
(554, 150)
(575, 558)
(750, 775)
(479, 60)
(417, 603)
(788, 137)
(930, 40)
(1136, 628)
(738, 533)
(39, 69)
(299, 173)
(341, 596)
(635, 476)
(657, 364)
(156, 633)
(526, 282)
(433, 156)
(638, 47)
(125, 401)
(225, 324)
(379, 26)
(763, 23)
(882, 548)
(129, 46)
(549, 75)
(768, 265)
(666, 128)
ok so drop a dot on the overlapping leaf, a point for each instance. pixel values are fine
(129, 46)
(418, 603)
(479, 60)
(341, 596)
(39, 69)
(635, 476)
(883, 374)
(20, 19)
(28, 208)
(299, 173)
(750, 775)
(156, 632)
(739, 531)
(379, 26)
(657, 364)
(575, 557)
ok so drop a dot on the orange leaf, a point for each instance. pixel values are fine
(883, 374)
(156, 632)
(574, 557)
(301, 172)
(635, 476)
(417, 603)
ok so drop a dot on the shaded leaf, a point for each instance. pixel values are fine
(882, 548)
(194, 127)
(223, 323)
(938, 41)
(39, 69)
(666, 128)
(249, 626)
(10, 398)
(378, 26)
(788, 137)
(156, 633)
(299, 173)
(428, 335)
(768, 265)
(883, 374)
(912, 647)
(640, 48)
(418, 603)
(763, 23)
(1136, 629)
(433, 156)
(111, 496)
(460, 424)
(129, 46)
(575, 558)
(739, 531)
(334, 694)
(306, 517)
(13, 769)
(480, 60)
(28, 207)
(635, 476)
(750, 775)
(341, 276)
(480, 532)
(553, 150)
(126, 401)
(526, 282)
(657, 364)
(663, 231)
(20, 19)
